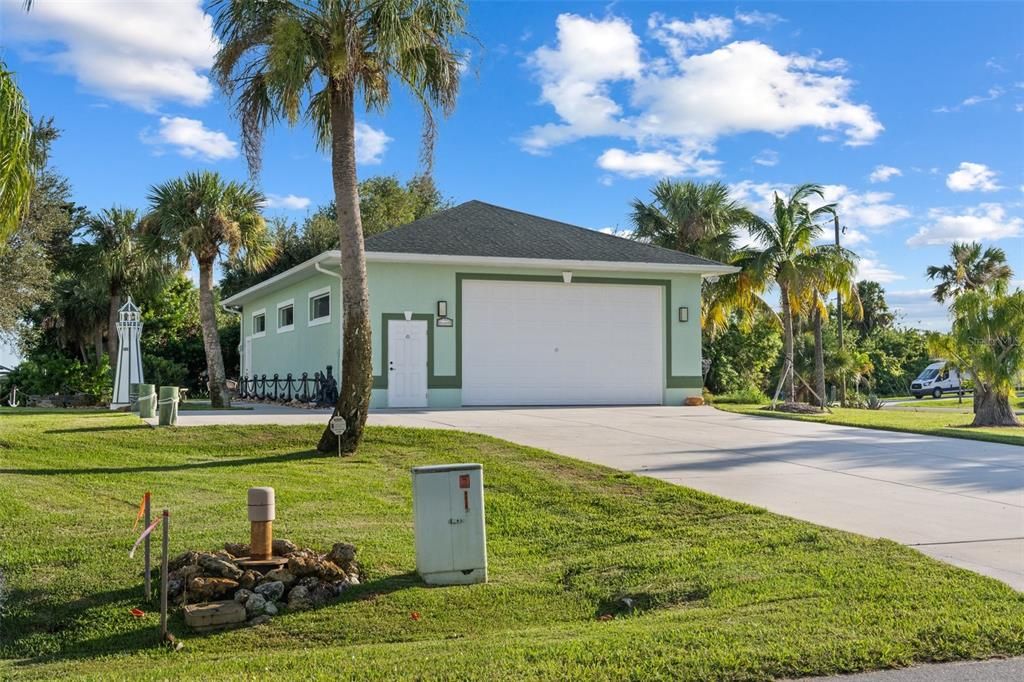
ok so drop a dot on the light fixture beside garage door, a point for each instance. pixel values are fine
(684, 314)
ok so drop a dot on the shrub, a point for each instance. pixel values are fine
(48, 374)
(749, 395)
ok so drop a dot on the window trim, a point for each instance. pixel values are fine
(317, 293)
(287, 327)
(252, 323)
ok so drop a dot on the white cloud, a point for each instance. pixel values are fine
(575, 77)
(876, 271)
(371, 144)
(654, 164)
(919, 309)
(679, 37)
(984, 222)
(991, 94)
(971, 177)
(871, 210)
(994, 64)
(289, 202)
(600, 84)
(767, 157)
(884, 173)
(140, 53)
(192, 139)
(756, 18)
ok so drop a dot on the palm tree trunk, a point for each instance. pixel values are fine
(787, 345)
(98, 343)
(356, 369)
(112, 312)
(992, 408)
(819, 360)
(211, 337)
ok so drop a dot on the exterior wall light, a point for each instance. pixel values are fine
(684, 314)
(442, 308)
(567, 277)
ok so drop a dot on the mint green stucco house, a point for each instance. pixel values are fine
(482, 305)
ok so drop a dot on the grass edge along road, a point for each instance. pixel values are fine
(721, 590)
(929, 423)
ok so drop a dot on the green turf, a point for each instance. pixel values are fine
(966, 405)
(937, 423)
(725, 591)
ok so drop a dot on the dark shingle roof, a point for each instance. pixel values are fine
(479, 229)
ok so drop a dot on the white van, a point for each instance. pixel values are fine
(936, 379)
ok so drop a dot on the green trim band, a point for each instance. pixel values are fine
(433, 381)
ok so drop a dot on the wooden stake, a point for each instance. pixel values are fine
(146, 580)
(163, 579)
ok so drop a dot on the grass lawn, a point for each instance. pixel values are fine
(938, 423)
(725, 591)
(967, 405)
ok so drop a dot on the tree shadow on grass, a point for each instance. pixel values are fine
(37, 615)
(88, 429)
(186, 466)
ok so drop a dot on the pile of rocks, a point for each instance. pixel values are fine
(308, 580)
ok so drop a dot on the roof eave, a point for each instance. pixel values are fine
(290, 273)
(708, 269)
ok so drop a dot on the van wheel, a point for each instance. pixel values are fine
(937, 393)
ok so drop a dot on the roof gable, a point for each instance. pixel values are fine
(479, 229)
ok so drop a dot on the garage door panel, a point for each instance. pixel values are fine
(531, 343)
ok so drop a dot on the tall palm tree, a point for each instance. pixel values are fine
(18, 155)
(315, 59)
(126, 265)
(970, 270)
(785, 260)
(204, 217)
(825, 270)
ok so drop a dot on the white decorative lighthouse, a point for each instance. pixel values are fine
(129, 357)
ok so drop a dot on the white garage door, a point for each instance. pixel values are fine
(540, 343)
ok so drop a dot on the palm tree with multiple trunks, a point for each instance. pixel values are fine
(319, 60)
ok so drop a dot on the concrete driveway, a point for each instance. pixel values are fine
(960, 501)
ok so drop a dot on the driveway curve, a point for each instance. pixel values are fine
(960, 501)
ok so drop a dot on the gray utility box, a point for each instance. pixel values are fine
(451, 541)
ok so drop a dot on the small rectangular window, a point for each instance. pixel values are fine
(320, 307)
(259, 323)
(285, 317)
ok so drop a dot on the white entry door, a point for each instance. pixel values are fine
(247, 357)
(407, 363)
(550, 343)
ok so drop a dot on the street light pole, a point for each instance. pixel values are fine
(839, 318)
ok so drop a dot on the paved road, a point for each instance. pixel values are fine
(957, 500)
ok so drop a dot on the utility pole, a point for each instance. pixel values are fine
(839, 319)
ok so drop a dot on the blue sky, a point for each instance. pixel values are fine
(912, 114)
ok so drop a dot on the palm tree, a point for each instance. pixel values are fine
(786, 260)
(825, 270)
(970, 270)
(314, 59)
(700, 219)
(115, 244)
(204, 217)
(986, 340)
(18, 155)
(692, 217)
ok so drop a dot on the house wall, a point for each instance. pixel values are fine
(397, 287)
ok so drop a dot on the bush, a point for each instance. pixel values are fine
(49, 374)
(162, 372)
(750, 395)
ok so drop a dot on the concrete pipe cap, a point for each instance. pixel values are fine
(261, 504)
